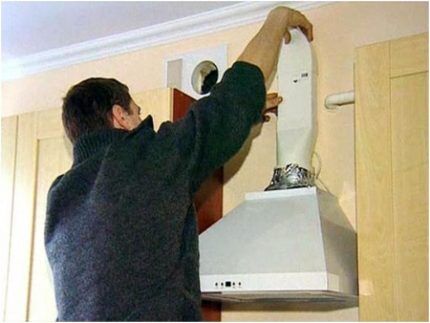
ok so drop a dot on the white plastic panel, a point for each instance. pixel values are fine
(188, 61)
(268, 282)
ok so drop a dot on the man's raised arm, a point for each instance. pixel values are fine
(263, 49)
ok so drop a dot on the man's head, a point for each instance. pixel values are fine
(96, 104)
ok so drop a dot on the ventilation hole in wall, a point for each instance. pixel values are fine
(204, 77)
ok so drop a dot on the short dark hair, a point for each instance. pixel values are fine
(87, 106)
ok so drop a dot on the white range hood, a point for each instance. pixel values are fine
(280, 245)
(284, 244)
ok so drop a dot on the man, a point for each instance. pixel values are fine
(121, 233)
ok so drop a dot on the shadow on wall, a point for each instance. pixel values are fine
(236, 162)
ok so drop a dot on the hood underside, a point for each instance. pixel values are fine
(285, 296)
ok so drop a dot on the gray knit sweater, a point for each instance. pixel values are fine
(121, 234)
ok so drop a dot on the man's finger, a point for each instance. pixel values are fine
(274, 102)
(273, 110)
(300, 20)
(287, 37)
(271, 95)
(308, 32)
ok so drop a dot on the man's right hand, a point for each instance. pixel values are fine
(263, 49)
(293, 19)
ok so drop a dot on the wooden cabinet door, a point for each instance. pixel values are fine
(42, 153)
(7, 175)
(391, 115)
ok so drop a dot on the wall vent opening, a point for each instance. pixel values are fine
(204, 77)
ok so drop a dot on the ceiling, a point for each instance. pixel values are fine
(32, 27)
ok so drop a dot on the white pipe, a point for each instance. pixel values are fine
(334, 101)
(296, 123)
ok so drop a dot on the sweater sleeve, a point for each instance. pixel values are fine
(216, 126)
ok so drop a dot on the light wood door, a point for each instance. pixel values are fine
(391, 115)
(41, 154)
(7, 175)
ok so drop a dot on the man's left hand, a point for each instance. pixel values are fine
(272, 102)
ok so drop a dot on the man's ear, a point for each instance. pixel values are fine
(119, 117)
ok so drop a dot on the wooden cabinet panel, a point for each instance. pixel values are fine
(42, 154)
(9, 127)
(409, 119)
(373, 174)
(409, 55)
(391, 115)
(53, 160)
(22, 218)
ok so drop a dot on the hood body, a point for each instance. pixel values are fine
(287, 244)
